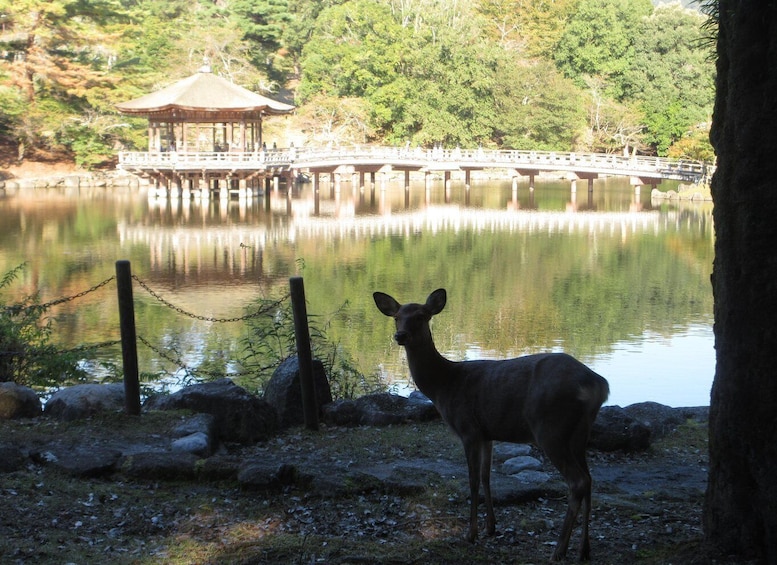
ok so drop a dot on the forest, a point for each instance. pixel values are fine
(582, 75)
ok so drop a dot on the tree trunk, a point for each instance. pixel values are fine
(740, 515)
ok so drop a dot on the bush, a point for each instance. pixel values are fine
(271, 340)
(26, 355)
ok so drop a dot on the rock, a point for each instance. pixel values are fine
(219, 467)
(515, 465)
(699, 414)
(662, 420)
(341, 413)
(264, 475)
(659, 419)
(197, 443)
(82, 401)
(284, 392)
(17, 401)
(156, 465)
(380, 409)
(196, 423)
(79, 461)
(240, 417)
(504, 451)
(615, 430)
(523, 487)
(197, 434)
(11, 458)
(532, 476)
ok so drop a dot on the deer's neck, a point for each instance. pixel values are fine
(430, 370)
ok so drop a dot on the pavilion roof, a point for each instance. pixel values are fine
(204, 92)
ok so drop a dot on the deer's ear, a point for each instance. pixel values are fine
(436, 301)
(385, 303)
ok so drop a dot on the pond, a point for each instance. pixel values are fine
(612, 277)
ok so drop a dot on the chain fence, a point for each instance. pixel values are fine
(167, 355)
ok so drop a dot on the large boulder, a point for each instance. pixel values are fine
(240, 417)
(82, 401)
(615, 430)
(380, 409)
(17, 401)
(79, 461)
(284, 392)
(663, 420)
(172, 466)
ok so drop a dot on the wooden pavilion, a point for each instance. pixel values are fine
(204, 132)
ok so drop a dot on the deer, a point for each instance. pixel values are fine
(549, 399)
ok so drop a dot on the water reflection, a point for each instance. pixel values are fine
(526, 270)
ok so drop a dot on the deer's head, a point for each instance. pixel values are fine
(412, 320)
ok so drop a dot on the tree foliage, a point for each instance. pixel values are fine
(599, 41)
(668, 54)
(598, 75)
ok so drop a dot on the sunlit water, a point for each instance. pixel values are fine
(613, 278)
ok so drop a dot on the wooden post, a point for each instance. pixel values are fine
(304, 354)
(129, 347)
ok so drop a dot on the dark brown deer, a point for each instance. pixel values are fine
(550, 399)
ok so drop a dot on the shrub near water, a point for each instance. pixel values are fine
(26, 355)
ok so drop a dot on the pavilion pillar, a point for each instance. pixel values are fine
(204, 187)
(186, 188)
(176, 189)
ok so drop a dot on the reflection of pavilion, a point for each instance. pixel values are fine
(212, 131)
(192, 246)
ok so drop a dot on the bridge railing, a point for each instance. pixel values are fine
(302, 158)
(503, 158)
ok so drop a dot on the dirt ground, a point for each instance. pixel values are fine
(646, 506)
(38, 166)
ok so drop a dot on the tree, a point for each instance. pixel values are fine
(354, 50)
(671, 76)
(262, 22)
(537, 108)
(531, 28)
(599, 39)
(740, 514)
(62, 54)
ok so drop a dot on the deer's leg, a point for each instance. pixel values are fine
(472, 449)
(564, 454)
(579, 451)
(485, 478)
(585, 542)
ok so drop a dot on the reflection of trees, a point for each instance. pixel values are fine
(513, 287)
(511, 293)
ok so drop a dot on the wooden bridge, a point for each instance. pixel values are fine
(245, 170)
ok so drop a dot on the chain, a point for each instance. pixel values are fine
(188, 370)
(163, 354)
(90, 346)
(17, 309)
(180, 310)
